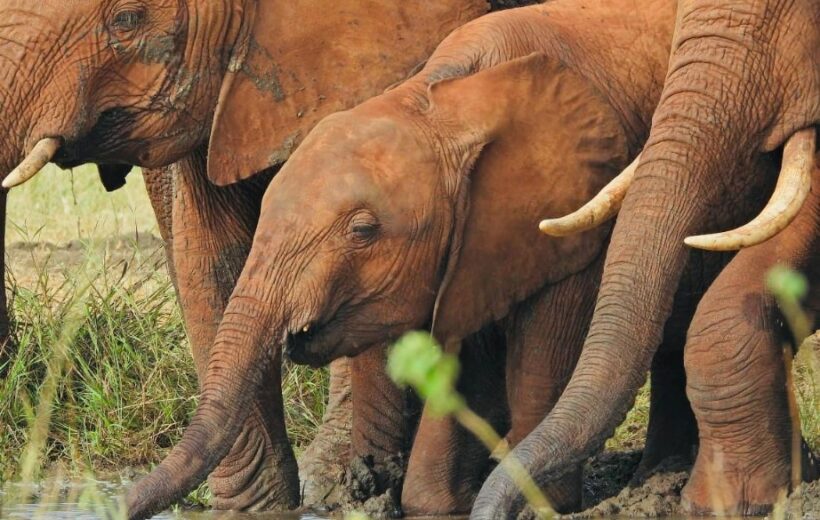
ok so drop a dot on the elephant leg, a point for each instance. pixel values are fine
(447, 463)
(159, 183)
(6, 343)
(672, 430)
(544, 339)
(212, 230)
(322, 465)
(381, 415)
(368, 418)
(736, 379)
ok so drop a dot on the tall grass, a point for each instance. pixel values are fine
(99, 354)
(59, 206)
(128, 386)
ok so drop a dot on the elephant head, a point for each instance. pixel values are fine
(396, 215)
(146, 82)
(110, 82)
(743, 80)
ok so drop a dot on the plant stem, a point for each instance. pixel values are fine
(488, 436)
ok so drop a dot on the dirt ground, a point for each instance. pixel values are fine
(40, 266)
(607, 492)
(374, 491)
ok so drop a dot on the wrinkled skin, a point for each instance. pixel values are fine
(409, 225)
(743, 78)
(137, 83)
(744, 462)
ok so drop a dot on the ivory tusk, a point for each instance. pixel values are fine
(40, 155)
(793, 186)
(601, 208)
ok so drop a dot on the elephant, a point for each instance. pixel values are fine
(742, 88)
(397, 215)
(204, 91)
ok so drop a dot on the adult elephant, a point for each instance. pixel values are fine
(743, 81)
(221, 89)
(373, 257)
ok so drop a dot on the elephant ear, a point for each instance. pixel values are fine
(308, 58)
(547, 141)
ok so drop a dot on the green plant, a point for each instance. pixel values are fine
(789, 288)
(418, 361)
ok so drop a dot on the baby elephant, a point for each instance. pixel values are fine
(419, 209)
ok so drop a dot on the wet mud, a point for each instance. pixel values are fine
(608, 491)
(367, 487)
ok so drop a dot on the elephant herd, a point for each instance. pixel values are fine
(330, 174)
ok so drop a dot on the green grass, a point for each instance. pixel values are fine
(59, 206)
(99, 344)
(95, 309)
(127, 386)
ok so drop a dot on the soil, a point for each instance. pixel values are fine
(658, 495)
(127, 258)
(370, 488)
(609, 494)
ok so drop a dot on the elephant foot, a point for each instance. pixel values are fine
(323, 464)
(366, 480)
(671, 442)
(722, 486)
(258, 474)
(565, 496)
(436, 490)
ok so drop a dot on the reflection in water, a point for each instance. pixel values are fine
(98, 500)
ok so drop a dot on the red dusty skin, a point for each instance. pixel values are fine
(732, 92)
(237, 369)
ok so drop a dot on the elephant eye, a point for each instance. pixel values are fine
(128, 20)
(364, 228)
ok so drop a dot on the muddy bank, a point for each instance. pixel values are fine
(659, 494)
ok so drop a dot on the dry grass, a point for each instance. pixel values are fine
(95, 323)
(99, 314)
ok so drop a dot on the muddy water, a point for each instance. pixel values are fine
(98, 500)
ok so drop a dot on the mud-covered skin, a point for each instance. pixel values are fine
(736, 374)
(743, 78)
(373, 259)
(222, 245)
(447, 463)
(323, 464)
(138, 83)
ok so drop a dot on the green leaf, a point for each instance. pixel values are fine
(417, 360)
(787, 283)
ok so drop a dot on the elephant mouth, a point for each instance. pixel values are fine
(107, 141)
(312, 344)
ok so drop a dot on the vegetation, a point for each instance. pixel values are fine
(417, 360)
(99, 376)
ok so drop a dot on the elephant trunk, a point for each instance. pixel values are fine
(667, 201)
(247, 345)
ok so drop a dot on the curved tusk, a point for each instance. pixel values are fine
(601, 208)
(40, 155)
(793, 186)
